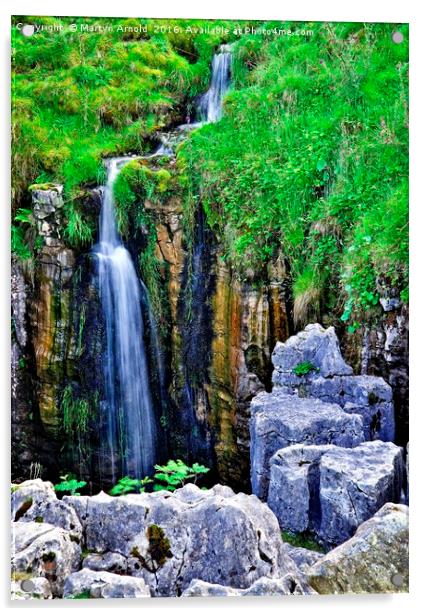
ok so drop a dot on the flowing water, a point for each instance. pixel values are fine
(211, 102)
(128, 422)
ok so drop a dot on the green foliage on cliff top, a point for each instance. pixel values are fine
(310, 160)
(79, 97)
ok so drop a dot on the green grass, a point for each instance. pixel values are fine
(310, 160)
(301, 540)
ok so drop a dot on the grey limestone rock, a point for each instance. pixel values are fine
(44, 551)
(104, 585)
(35, 500)
(315, 345)
(169, 539)
(280, 420)
(354, 484)
(109, 561)
(374, 560)
(262, 587)
(330, 490)
(368, 396)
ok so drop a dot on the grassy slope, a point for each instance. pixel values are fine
(310, 159)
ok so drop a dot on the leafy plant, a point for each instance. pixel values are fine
(127, 485)
(70, 484)
(176, 473)
(305, 367)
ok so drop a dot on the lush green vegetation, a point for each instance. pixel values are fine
(170, 476)
(79, 97)
(70, 484)
(305, 367)
(311, 161)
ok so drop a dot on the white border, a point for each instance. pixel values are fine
(310, 10)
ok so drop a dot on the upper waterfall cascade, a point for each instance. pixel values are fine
(211, 102)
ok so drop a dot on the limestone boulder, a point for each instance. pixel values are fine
(316, 345)
(374, 560)
(354, 484)
(262, 587)
(330, 491)
(293, 493)
(104, 585)
(170, 539)
(280, 420)
(35, 500)
(44, 551)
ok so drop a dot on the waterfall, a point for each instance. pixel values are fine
(210, 105)
(128, 426)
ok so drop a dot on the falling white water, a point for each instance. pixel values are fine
(211, 102)
(128, 421)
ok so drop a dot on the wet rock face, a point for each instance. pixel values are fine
(221, 335)
(47, 209)
(375, 560)
(318, 351)
(279, 420)
(24, 437)
(387, 354)
(169, 539)
(331, 490)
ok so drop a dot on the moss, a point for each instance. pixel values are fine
(20, 576)
(85, 594)
(44, 186)
(23, 509)
(48, 557)
(39, 519)
(158, 549)
(302, 540)
(304, 367)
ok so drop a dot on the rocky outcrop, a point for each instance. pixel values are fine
(43, 550)
(375, 560)
(47, 210)
(314, 345)
(279, 420)
(169, 539)
(36, 501)
(262, 587)
(331, 490)
(25, 440)
(24, 587)
(87, 584)
(311, 364)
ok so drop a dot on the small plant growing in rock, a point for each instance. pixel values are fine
(305, 367)
(176, 473)
(127, 485)
(70, 484)
(158, 549)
